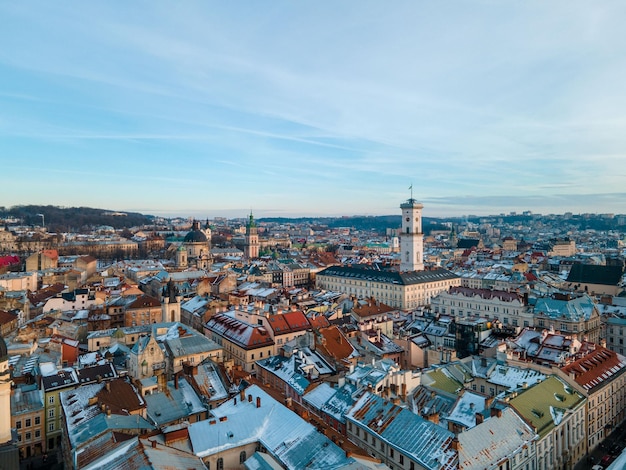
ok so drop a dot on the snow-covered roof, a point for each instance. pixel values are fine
(286, 436)
(495, 439)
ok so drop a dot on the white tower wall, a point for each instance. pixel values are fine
(411, 237)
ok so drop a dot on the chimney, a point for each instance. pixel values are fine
(479, 418)
(161, 382)
(455, 444)
(249, 398)
(258, 402)
(108, 386)
(176, 381)
(242, 396)
(235, 401)
(496, 412)
(154, 444)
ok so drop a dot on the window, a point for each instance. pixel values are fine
(391, 453)
(37, 420)
(401, 457)
(37, 433)
(27, 423)
(18, 424)
(220, 464)
(51, 427)
(27, 436)
(51, 400)
(51, 413)
(242, 457)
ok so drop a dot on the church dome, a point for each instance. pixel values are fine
(196, 235)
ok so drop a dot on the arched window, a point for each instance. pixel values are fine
(242, 457)
(220, 464)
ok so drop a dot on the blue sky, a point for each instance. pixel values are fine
(213, 108)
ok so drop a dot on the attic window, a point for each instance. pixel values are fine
(537, 413)
(559, 397)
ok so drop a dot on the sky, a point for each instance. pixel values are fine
(325, 108)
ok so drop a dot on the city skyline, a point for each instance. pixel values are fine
(325, 109)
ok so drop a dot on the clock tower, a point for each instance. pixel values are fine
(411, 236)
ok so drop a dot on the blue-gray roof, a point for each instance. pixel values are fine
(421, 440)
(388, 277)
(577, 309)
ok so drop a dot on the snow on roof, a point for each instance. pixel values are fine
(514, 377)
(319, 395)
(496, 438)
(424, 441)
(176, 403)
(286, 436)
(465, 409)
(210, 382)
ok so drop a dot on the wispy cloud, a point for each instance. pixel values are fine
(293, 104)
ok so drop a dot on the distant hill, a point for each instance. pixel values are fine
(74, 218)
(377, 223)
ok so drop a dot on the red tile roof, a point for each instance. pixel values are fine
(9, 260)
(319, 321)
(144, 301)
(336, 344)
(596, 368)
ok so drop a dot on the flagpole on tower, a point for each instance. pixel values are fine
(411, 189)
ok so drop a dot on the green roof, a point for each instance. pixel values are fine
(442, 381)
(545, 404)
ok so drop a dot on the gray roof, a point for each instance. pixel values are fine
(389, 277)
(421, 440)
(173, 405)
(294, 442)
(495, 439)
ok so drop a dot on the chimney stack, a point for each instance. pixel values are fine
(258, 402)
(154, 444)
(455, 444)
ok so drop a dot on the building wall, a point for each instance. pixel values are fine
(142, 316)
(397, 296)
(509, 313)
(31, 432)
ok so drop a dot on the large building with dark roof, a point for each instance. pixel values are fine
(403, 290)
(595, 279)
(411, 287)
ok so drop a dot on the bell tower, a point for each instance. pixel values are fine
(170, 303)
(411, 236)
(251, 249)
